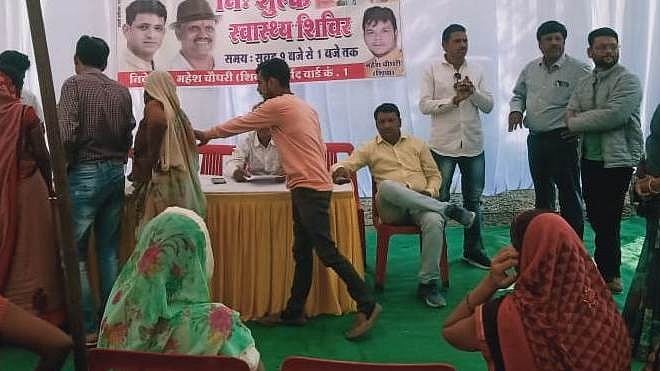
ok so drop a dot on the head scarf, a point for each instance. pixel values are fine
(520, 224)
(568, 320)
(160, 301)
(176, 181)
(178, 147)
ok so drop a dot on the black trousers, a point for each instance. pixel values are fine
(311, 228)
(553, 162)
(604, 193)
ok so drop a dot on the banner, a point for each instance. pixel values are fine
(220, 42)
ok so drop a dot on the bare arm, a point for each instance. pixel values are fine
(25, 330)
(41, 155)
(459, 328)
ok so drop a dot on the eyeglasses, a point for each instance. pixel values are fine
(457, 77)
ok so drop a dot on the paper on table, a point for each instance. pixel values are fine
(266, 178)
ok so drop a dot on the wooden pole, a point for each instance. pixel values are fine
(63, 225)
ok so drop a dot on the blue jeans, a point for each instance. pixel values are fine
(97, 196)
(473, 170)
(400, 205)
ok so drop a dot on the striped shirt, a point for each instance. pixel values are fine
(96, 118)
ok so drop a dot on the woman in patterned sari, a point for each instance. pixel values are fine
(642, 309)
(161, 303)
(560, 316)
(29, 265)
(165, 158)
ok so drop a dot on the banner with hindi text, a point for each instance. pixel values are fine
(220, 42)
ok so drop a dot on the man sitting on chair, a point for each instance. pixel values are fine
(408, 180)
(255, 154)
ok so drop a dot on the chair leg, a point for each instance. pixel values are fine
(363, 239)
(381, 259)
(444, 264)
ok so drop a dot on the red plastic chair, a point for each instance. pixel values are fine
(124, 360)
(385, 231)
(315, 364)
(212, 157)
(331, 158)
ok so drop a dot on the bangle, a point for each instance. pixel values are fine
(467, 302)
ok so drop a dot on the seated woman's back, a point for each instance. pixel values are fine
(161, 302)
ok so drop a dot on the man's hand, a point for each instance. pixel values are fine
(464, 89)
(341, 175)
(569, 136)
(644, 186)
(240, 175)
(569, 115)
(505, 259)
(515, 120)
(201, 136)
(425, 193)
(467, 86)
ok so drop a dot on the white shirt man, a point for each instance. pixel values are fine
(254, 157)
(453, 92)
(455, 129)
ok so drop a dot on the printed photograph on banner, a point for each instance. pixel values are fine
(220, 42)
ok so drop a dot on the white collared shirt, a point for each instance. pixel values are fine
(180, 63)
(455, 131)
(542, 93)
(253, 156)
(131, 62)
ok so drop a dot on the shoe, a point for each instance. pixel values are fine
(615, 285)
(363, 323)
(431, 295)
(460, 214)
(278, 320)
(477, 258)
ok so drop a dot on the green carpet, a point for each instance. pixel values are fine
(408, 331)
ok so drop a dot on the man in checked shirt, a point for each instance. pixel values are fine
(96, 123)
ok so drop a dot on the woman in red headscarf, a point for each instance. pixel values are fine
(29, 267)
(560, 316)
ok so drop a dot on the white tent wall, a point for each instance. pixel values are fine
(501, 35)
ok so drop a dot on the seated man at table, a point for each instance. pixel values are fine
(408, 180)
(255, 154)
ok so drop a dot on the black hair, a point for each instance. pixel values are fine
(377, 14)
(386, 108)
(603, 31)
(276, 68)
(14, 64)
(145, 6)
(550, 27)
(446, 34)
(92, 51)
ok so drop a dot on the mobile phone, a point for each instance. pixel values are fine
(218, 180)
(511, 272)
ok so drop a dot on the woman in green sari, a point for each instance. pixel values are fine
(161, 303)
(165, 158)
